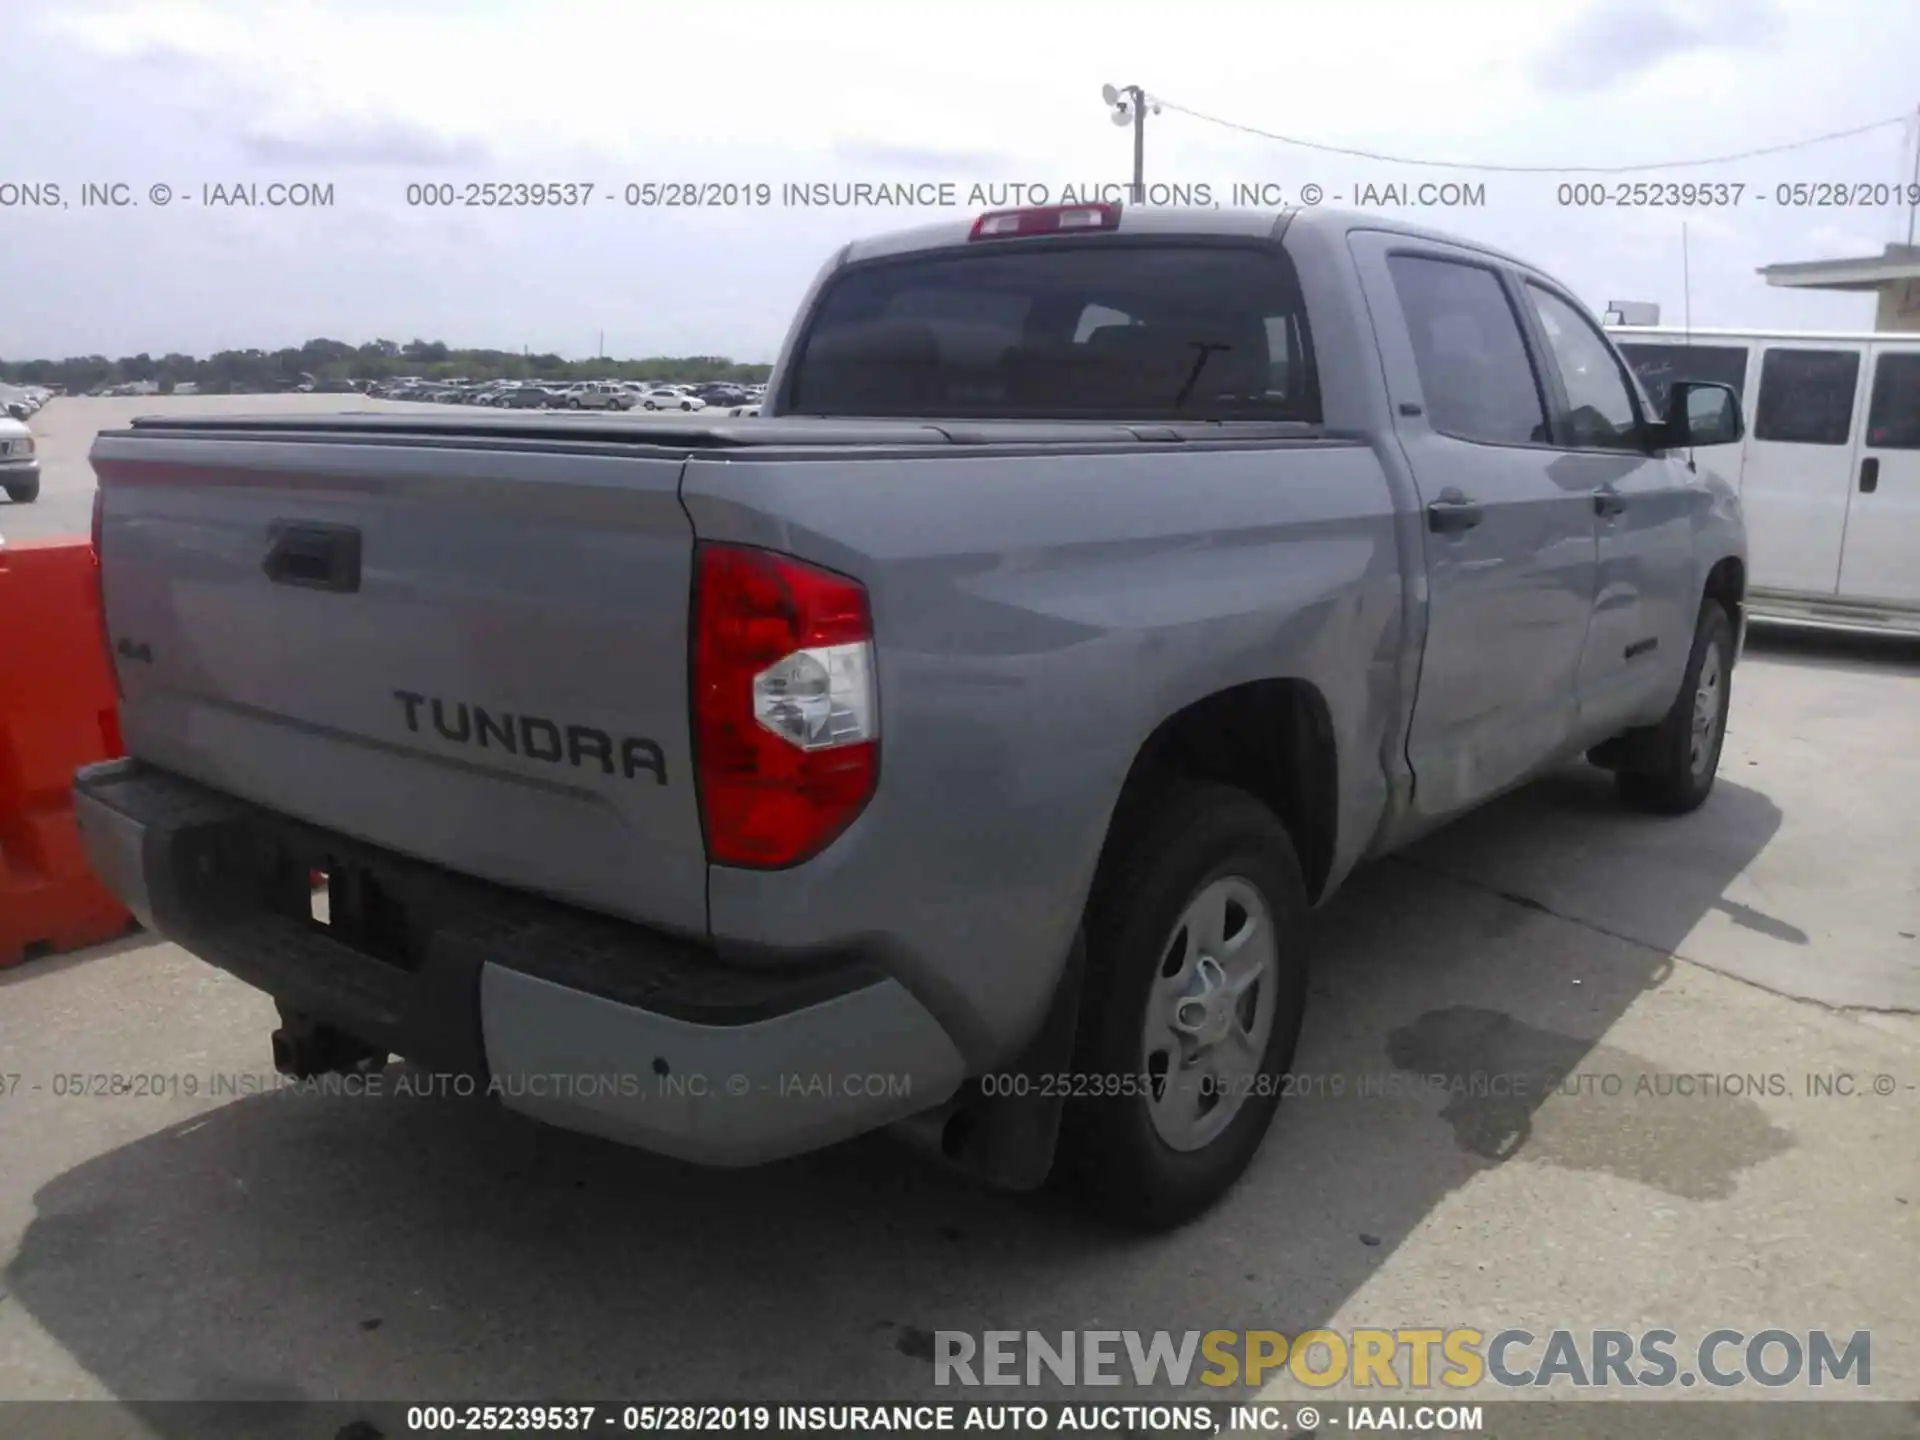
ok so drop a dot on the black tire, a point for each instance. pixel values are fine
(1161, 857)
(23, 492)
(1663, 775)
(652, 406)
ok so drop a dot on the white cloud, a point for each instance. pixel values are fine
(372, 96)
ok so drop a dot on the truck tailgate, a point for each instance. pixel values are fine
(473, 654)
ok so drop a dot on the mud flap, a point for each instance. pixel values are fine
(1008, 1139)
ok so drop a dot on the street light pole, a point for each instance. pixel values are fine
(1130, 102)
(1139, 98)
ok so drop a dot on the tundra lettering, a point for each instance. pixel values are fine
(535, 737)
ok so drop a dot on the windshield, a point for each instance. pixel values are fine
(1103, 331)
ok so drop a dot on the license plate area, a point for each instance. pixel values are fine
(241, 871)
(354, 907)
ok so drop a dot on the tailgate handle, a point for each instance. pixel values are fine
(317, 556)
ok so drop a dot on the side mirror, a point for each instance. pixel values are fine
(1701, 413)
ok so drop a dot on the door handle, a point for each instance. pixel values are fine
(1451, 512)
(313, 555)
(1869, 474)
(1608, 502)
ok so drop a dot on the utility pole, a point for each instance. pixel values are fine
(1129, 103)
(1139, 100)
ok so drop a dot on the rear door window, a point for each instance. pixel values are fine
(1062, 330)
(1806, 396)
(1468, 348)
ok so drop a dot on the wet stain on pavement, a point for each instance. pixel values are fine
(1513, 1090)
(914, 1341)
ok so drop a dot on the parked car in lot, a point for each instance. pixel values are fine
(19, 465)
(1098, 590)
(599, 395)
(1830, 485)
(529, 397)
(662, 397)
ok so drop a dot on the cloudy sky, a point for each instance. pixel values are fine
(372, 96)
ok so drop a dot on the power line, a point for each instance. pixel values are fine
(1901, 120)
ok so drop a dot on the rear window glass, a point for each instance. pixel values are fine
(1053, 331)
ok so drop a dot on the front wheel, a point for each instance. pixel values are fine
(23, 492)
(652, 406)
(1195, 988)
(1674, 763)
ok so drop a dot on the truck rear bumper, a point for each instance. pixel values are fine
(585, 1022)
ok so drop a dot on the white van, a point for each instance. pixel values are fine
(1829, 471)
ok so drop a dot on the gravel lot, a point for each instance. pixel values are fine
(279, 1246)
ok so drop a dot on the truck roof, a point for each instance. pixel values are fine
(1174, 221)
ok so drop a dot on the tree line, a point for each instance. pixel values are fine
(239, 372)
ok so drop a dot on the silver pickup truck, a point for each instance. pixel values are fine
(960, 744)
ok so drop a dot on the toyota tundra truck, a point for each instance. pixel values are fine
(959, 745)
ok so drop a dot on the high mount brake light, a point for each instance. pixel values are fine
(785, 705)
(1045, 220)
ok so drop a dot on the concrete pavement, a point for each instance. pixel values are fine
(262, 1243)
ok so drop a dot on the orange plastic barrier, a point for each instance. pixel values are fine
(58, 711)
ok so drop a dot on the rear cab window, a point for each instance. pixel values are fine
(1114, 329)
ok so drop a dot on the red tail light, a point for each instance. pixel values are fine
(1045, 220)
(785, 705)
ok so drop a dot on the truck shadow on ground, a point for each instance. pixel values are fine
(286, 1246)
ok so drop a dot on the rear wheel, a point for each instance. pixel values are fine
(23, 492)
(1192, 1005)
(1673, 764)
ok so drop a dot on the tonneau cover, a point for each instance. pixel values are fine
(784, 432)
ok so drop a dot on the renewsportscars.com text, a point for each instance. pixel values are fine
(1457, 1358)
